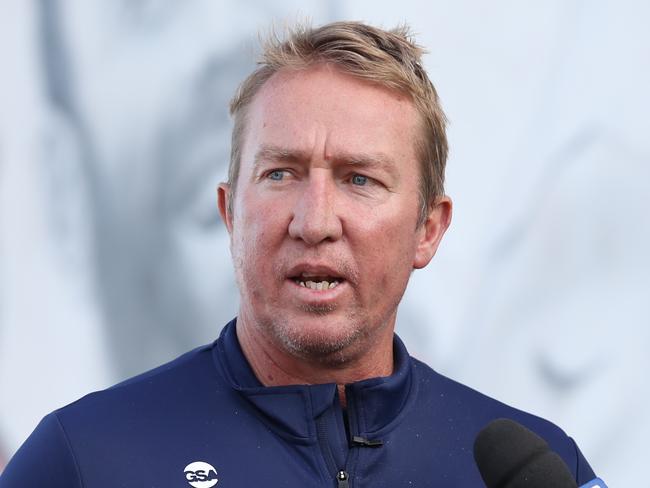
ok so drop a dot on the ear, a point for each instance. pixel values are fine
(431, 231)
(223, 196)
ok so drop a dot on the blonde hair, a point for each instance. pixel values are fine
(388, 58)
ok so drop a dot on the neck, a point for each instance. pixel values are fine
(274, 366)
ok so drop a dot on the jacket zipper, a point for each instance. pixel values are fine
(342, 477)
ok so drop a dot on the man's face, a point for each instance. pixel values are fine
(325, 228)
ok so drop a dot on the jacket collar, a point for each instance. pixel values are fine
(293, 408)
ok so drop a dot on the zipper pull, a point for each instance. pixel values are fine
(363, 442)
(342, 479)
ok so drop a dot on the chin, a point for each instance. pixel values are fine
(319, 337)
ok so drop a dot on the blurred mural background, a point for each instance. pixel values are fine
(114, 134)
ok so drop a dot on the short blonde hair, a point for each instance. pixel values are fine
(388, 58)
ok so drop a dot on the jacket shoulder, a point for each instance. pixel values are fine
(468, 411)
(156, 385)
(131, 420)
(45, 455)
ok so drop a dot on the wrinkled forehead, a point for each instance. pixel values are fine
(325, 111)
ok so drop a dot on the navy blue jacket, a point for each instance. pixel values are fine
(205, 419)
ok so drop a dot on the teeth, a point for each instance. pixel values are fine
(318, 285)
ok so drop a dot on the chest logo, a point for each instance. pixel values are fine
(201, 475)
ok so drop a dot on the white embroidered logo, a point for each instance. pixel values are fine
(201, 475)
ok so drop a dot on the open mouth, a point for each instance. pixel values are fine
(317, 282)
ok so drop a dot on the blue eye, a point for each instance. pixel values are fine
(359, 180)
(276, 175)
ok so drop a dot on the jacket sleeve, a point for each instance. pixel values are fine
(45, 459)
(583, 471)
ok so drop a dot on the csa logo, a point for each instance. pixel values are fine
(201, 475)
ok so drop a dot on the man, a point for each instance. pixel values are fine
(335, 196)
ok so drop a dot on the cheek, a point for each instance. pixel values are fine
(387, 252)
(258, 228)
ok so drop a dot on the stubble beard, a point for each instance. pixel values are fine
(314, 346)
(310, 345)
(319, 346)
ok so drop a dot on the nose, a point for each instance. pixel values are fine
(315, 217)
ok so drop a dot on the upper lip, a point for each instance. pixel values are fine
(313, 270)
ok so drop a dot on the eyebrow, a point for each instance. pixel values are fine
(368, 160)
(279, 154)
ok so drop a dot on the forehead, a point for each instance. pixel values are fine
(324, 111)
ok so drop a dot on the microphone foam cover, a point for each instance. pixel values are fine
(508, 455)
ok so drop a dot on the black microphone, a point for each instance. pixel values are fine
(508, 455)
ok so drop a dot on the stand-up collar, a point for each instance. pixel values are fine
(294, 408)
